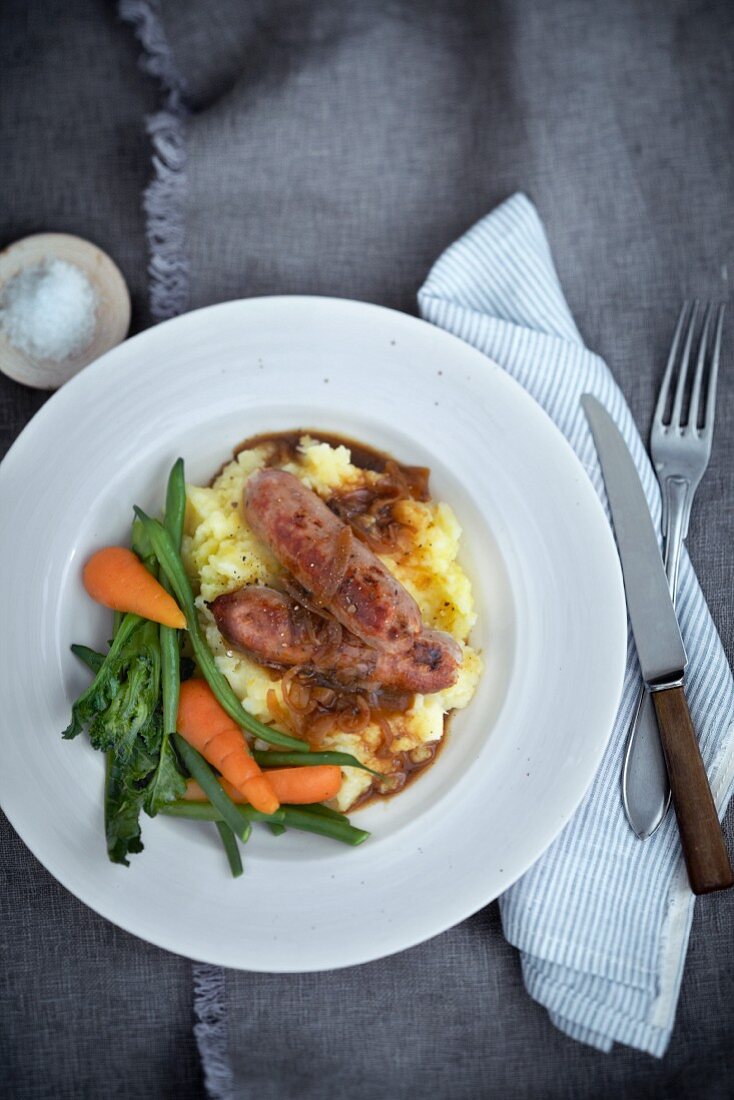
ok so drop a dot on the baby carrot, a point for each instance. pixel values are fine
(210, 730)
(117, 578)
(297, 786)
(235, 816)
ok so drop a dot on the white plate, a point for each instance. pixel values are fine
(546, 578)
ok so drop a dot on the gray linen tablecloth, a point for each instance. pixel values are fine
(338, 148)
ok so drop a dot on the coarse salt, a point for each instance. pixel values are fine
(48, 310)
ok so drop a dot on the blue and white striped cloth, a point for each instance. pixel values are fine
(602, 920)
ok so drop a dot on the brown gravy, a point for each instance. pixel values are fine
(363, 456)
(366, 458)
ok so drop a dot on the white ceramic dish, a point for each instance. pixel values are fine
(536, 543)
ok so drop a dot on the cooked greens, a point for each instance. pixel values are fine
(107, 683)
(167, 783)
(130, 713)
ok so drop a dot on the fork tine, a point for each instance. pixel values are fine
(665, 386)
(675, 416)
(708, 419)
(698, 376)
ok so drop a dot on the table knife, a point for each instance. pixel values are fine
(662, 655)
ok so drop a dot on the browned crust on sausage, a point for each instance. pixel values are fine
(302, 533)
(277, 631)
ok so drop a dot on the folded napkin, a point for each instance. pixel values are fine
(602, 919)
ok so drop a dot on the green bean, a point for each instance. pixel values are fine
(298, 760)
(91, 658)
(142, 546)
(170, 682)
(170, 655)
(176, 502)
(298, 817)
(172, 566)
(229, 841)
(324, 811)
(204, 811)
(257, 815)
(206, 779)
(276, 829)
(295, 817)
(195, 811)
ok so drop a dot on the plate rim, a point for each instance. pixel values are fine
(67, 394)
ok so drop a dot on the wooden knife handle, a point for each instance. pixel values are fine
(704, 849)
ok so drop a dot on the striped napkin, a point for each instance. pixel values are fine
(602, 919)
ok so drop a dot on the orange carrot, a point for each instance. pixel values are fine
(297, 786)
(209, 729)
(117, 578)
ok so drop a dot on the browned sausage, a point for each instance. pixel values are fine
(278, 631)
(339, 571)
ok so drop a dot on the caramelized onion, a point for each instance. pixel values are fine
(296, 591)
(313, 711)
(296, 694)
(330, 643)
(337, 566)
(385, 730)
(369, 510)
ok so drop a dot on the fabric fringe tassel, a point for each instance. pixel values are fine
(211, 1032)
(165, 196)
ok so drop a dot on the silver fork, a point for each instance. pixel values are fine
(680, 451)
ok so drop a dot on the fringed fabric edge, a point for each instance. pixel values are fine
(165, 197)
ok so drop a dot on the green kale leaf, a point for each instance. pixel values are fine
(124, 796)
(167, 784)
(121, 701)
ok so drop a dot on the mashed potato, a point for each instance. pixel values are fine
(221, 554)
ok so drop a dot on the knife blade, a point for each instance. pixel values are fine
(661, 653)
(654, 623)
